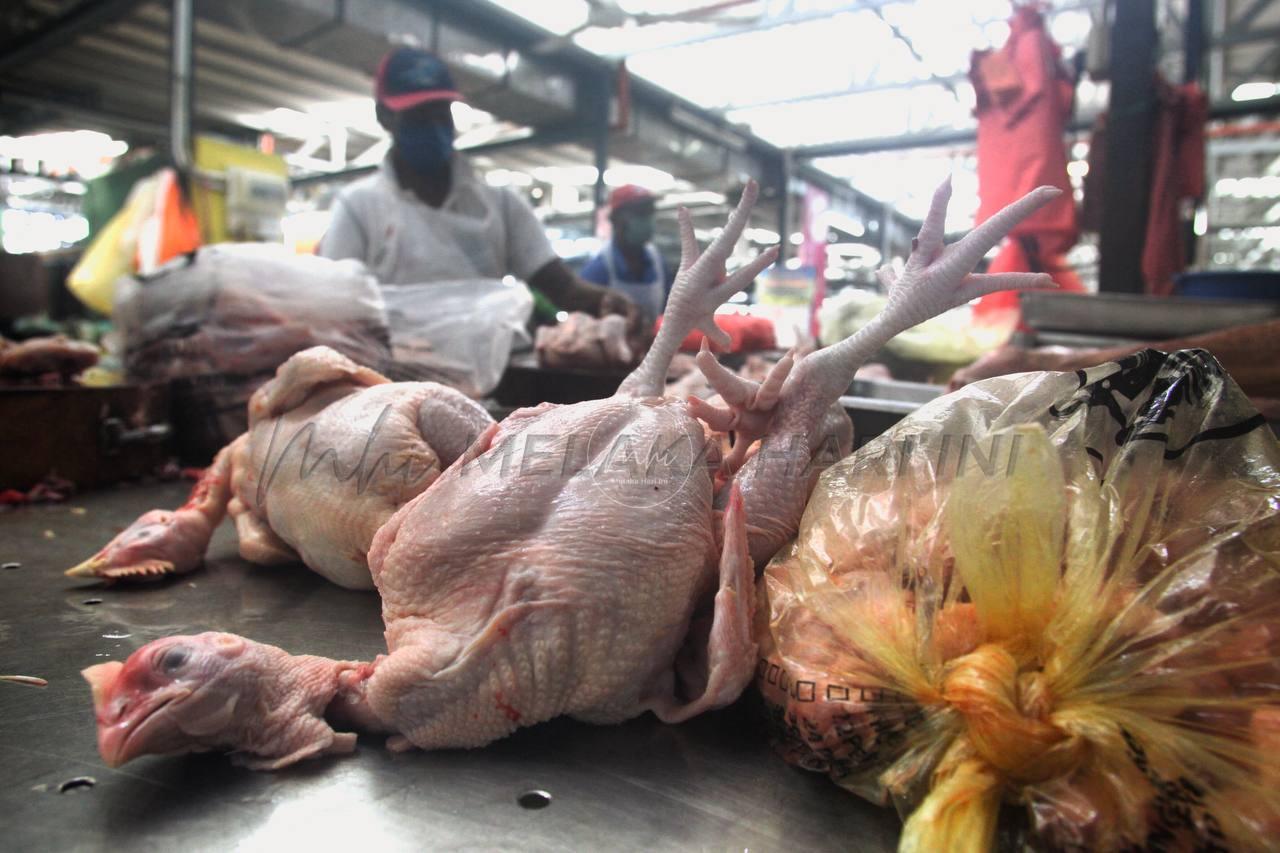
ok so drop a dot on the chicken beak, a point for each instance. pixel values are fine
(113, 746)
(90, 568)
(129, 721)
(100, 678)
(99, 567)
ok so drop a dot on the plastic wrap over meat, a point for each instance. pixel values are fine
(220, 321)
(1056, 593)
(458, 333)
(243, 309)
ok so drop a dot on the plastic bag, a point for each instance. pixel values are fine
(245, 308)
(220, 322)
(171, 229)
(111, 253)
(1057, 593)
(459, 333)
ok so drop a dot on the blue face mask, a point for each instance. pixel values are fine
(425, 147)
(637, 231)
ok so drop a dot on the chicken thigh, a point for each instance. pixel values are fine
(575, 559)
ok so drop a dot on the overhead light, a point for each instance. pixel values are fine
(355, 113)
(1267, 186)
(654, 180)
(87, 153)
(690, 199)
(1255, 91)
(580, 176)
(507, 178)
(835, 219)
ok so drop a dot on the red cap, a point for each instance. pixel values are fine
(628, 194)
(408, 77)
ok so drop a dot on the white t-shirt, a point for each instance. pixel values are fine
(479, 232)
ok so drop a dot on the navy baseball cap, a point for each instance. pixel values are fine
(409, 76)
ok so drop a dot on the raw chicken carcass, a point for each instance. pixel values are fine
(572, 561)
(39, 359)
(583, 341)
(333, 449)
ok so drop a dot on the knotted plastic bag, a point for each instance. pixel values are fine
(1045, 610)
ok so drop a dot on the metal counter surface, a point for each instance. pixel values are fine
(710, 784)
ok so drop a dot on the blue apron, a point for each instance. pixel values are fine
(649, 295)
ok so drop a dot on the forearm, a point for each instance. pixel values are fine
(1251, 354)
(570, 293)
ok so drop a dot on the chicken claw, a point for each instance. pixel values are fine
(938, 277)
(749, 405)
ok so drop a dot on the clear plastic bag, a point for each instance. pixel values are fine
(1055, 593)
(220, 321)
(459, 333)
(240, 309)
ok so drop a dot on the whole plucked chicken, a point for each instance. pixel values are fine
(333, 450)
(574, 560)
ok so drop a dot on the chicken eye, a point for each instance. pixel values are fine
(174, 658)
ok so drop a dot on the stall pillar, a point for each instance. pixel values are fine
(1130, 122)
(181, 81)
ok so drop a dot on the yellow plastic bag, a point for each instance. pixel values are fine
(1052, 594)
(111, 254)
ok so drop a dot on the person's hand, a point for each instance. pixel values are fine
(614, 302)
(1008, 359)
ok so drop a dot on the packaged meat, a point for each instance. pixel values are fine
(1057, 593)
(221, 320)
(245, 308)
(583, 342)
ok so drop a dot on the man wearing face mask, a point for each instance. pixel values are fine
(630, 264)
(425, 216)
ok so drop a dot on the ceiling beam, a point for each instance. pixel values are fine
(1231, 37)
(968, 136)
(928, 139)
(858, 89)
(788, 18)
(766, 23)
(1242, 22)
(85, 17)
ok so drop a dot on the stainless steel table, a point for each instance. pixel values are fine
(711, 784)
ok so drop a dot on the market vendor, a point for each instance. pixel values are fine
(425, 216)
(631, 264)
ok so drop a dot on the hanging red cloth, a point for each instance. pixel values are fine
(1177, 174)
(1026, 254)
(1024, 100)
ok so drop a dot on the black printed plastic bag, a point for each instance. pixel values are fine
(1053, 594)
